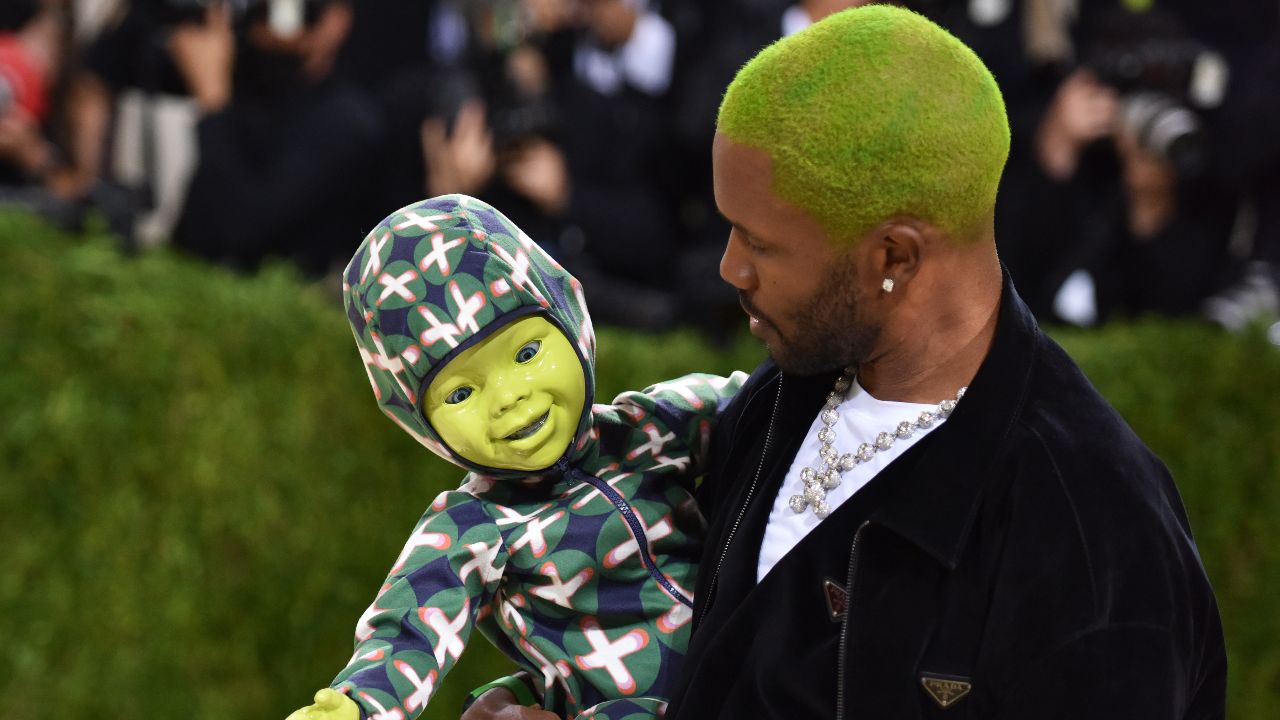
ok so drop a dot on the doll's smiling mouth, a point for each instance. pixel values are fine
(529, 430)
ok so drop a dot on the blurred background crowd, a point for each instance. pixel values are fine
(1144, 175)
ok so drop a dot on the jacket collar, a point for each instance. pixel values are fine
(940, 490)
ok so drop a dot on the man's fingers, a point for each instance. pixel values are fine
(470, 120)
(217, 16)
(532, 712)
(433, 139)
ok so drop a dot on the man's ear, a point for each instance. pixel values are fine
(893, 250)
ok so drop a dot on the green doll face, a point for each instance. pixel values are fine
(513, 400)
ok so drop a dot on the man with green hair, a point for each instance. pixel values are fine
(919, 507)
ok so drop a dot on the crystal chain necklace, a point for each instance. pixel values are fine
(826, 475)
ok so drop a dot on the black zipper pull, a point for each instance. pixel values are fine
(572, 474)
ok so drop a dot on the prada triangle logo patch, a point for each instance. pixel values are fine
(837, 599)
(946, 690)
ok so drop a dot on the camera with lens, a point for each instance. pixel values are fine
(1164, 77)
(516, 113)
(515, 119)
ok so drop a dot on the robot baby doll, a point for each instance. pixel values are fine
(572, 542)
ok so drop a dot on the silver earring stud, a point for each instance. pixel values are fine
(887, 285)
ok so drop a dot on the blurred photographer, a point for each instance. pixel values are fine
(492, 121)
(1128, 200)
(30, 50)
(613, 78)
(1252, 157)
(558, 118)
(282, 138)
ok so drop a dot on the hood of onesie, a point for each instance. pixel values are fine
(435, 278)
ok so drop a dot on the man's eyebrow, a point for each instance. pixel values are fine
(741, 228)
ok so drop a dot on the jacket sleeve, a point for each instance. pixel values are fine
(1102, 609)
(676, 418)
(1112, 672)
(419, 623)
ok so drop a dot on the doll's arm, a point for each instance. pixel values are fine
(419, 623)
(674, 419)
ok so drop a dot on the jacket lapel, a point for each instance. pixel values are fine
(935, 503)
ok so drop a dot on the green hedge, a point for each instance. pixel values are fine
(198, 496)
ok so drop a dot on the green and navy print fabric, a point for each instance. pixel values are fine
(549, 567)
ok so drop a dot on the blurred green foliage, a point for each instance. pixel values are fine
(198, 496)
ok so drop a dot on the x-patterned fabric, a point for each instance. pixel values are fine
(545, 566)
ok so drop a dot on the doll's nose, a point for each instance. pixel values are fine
(508, 392)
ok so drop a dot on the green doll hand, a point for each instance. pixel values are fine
(330, 705)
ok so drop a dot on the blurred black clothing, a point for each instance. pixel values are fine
(134, 53)
(716, 39)
(1251, 146)
(15, 14)
(612, 146)
(1267, 240)
(282, 176)
(1172, 272)
(387, 37)
(387, 54)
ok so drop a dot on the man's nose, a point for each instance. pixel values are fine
(508, 391)
(735, 266)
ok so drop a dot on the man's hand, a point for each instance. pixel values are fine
(329, 705)
(537, 171)
(500, 704)
(1082, 111)
(325, 40)
(460, 162)
(22, 144)
(204, 53)
(1150, 186)
(548, 16)
(317, 45)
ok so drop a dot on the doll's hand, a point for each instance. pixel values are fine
(330, 705)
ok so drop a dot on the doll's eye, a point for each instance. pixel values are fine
(528, 352)
(458, 395)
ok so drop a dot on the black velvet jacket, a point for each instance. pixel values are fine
(1030, 558)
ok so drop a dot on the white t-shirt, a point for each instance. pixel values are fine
(862, 418)
(795, 19)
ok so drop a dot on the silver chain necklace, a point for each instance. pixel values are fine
(826, 475)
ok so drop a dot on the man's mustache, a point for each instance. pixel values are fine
(749, 308)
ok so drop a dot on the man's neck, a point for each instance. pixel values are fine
(819, 9)
(934, 347)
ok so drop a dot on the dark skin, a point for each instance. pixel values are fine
(935, 327)
(500, 704)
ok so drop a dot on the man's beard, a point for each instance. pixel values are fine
(828, 333)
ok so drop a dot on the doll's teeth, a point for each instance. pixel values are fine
(529, 430)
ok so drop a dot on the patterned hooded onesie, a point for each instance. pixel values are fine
(582, 574)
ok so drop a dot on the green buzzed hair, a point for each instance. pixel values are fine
(870, 113)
